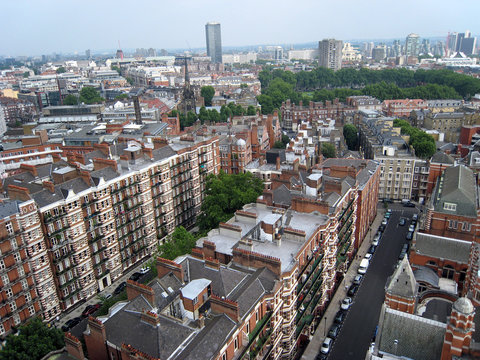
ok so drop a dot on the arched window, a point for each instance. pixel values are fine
(431, 263)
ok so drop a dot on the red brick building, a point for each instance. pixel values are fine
(403, 107)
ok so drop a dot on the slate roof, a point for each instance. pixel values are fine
(426, 275)
(456, 185)
(158, 341)
(282, 196)
(46, 197)
(402, 282)
(410, 336)
(442, 247)
(107, 173)
(8, 208)
(442, 158)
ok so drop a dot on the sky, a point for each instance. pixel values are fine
(32, 27)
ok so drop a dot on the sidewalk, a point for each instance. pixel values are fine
(313, 348)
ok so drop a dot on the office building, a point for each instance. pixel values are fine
(214, 41)
(330, 54)
(412, 45)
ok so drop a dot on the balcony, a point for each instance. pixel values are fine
(252, 337)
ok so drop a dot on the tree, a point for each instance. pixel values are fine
(350, 133)
(129, 80)
(279, 145)
(70, 100)
(33, 341)
(61, 70)
(181, 242)
(117, 69)
(89, 95)
(26, 74)
(226, 193)
(285, 140)
(251, 110)
(121, 97)
(207, 93)
(328, 150)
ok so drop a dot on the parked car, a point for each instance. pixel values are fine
(352, 290)
(120, 288)
(107, 296)
(357, 279)
(387, 200)
(90, 309)
(384, 221)
(415, 217)
(382, 227)
(334, 330)
(411, 228)
(71, 323)
(346, 303)
(403, 253)
(409, 236)
(368, 256)
(409, 204)
(372, 249)
(339, 317)
(387, 215)
(144, 270)
(375, 242)
(326, 346)
(402, 221)
(135, 276)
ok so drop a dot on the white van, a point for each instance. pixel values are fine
(363, 266)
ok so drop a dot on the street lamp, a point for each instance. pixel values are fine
(325, 328)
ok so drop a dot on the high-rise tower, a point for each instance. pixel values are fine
(214, 41)
(330, 54)
(412, 45)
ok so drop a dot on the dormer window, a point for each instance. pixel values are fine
(449, 206)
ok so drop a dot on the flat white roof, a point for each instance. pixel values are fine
(194, 288)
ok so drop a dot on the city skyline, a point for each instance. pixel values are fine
(50, 26)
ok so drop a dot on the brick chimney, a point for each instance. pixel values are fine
(277, 165)
(30, 168)
(96, 339)
(225, 306)
(135, 289)
(50, 186)
(103, 163)
(150, 318)
(164, 266)
(103, 147)
(74, 346)
(18, 193)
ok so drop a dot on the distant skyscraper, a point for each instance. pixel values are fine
(412, 45)
(214, 41)
(330, 54)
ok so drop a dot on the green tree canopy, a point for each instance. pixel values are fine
(61, 70)
(70, 100)
(423, 143)
(89, 95)
(328, 150)
(225, 194)
(207, 93)
(181, 242)
(33, 341)
(350, 133)
(251, 110)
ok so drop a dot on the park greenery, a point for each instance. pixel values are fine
(226, 193)
(211, 116)
(180, 242)
(32, 341)
(321, 84)
(61, 70)
(423, 143)
(88, 95)
(350, 134)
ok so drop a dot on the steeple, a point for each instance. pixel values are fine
(401, 291)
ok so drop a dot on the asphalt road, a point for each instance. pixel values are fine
(362, 318)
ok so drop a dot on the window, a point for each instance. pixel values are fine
(5, 280)
(235, 343)
(9, 292)
(13, 306)
(2, 329)
(248, 328)
(224, 356)
(9, 227)
(17, 257)
(31, 310)
(16, 319)
(449, 206)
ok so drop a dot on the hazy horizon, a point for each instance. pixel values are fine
(65, 27)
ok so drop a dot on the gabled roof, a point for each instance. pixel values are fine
(403, 283)
(456, 186)
(441, 158)
(440, 247)
(410, 336)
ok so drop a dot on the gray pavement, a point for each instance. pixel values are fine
(313, 348)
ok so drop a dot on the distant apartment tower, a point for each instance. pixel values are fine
(412, 45)
(214, 41)
(330, 54)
